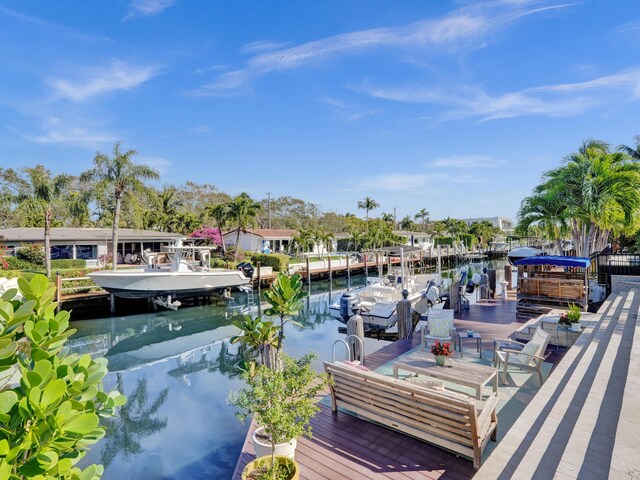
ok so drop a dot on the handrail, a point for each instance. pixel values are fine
(348, 347)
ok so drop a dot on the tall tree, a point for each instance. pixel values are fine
(220, 214)
(118, 176)
(367, 205)
(632, 152)
(423, 217)
(243, 212)
(547, 210)
(37, 191)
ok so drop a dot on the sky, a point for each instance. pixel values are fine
(453, 106)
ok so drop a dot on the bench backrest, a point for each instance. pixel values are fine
(440, 417)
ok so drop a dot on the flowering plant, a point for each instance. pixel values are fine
(441, 349)
(210, 234)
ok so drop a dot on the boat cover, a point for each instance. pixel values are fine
(557, 260)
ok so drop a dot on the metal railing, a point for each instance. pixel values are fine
(608, 264)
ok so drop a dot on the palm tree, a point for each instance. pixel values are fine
(37, 192)
(387, 218)
(77, 202)
(303, 241)
(220, 214)
(323, 240)
(119, 176)
(406, 223)
(423, 217)
(601, 191)
(633, 152)
(368, 204)
(243, 211)
(547, 210)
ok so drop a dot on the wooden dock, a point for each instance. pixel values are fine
(347, 448)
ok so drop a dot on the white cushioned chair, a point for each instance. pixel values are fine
(529, 356)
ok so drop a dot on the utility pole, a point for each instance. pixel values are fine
(269, 207)
(395, 222)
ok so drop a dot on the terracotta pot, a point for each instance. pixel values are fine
(263, 448)
(262, 461)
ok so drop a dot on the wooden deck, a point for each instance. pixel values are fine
(344, 447)
(584, 422)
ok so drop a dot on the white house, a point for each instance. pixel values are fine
(271, 240)
(88, 243)
(415, 239)
(503, 223)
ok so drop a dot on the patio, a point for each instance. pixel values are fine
(345, 447)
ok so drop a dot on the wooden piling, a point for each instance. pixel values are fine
(258, 273)
(508, 276)
(330, 274)
(366, 270)
(112, 303)
(348, 272)
(308, 271)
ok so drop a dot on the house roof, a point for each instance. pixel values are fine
(84, 234)
(405, 233)
(269, 232)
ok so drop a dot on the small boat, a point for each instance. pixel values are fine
(378, 300)
(186, 275)
(523, 252)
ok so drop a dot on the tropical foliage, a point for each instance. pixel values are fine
(51, 401)
(594, 194)
(118, 177)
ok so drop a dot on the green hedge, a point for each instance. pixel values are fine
(21, 264)
(68, 263)
(222, 263)
(466, 238)
(443, 241)
(278, 261)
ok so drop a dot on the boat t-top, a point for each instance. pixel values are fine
(379, 299)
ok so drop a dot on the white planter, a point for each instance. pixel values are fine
(282, 450)
(575, 327)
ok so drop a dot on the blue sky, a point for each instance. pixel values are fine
(457, 107)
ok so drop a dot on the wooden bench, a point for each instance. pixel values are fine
(452, 421)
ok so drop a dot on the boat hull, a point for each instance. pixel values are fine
(145, 284)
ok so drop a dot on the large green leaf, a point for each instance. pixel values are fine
(8, 399)
(53, 392)
(82, 424)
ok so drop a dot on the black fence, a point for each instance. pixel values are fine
(608, 264)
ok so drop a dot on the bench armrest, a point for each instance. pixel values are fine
(510, 340)
(484, 419)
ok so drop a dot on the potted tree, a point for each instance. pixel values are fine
(573, 315)
(283, 403)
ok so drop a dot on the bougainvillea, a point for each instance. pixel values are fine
(210, 234)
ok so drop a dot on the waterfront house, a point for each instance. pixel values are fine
(88, 243)
(415, 239)
(503, 223)
(268, 240)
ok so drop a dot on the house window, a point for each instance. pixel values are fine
(86, 252)
(153, 246)
(60, 252)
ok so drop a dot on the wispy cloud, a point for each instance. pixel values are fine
(465, 161)
(162, 165)
(467, 27)
(55, 130)
(147, 8)
(629, 32)
(399, 182)
(47, 25)
(346, 112)
(558, 100)
(100, 80)
(261, 46)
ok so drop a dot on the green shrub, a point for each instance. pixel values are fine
(68, 263)
(33, 253)
(52, 413)
(443, 241)
(17, 274)
(278, 261)
(218, 262)
(14, 263)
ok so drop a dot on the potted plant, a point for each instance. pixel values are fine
(283, 403)
(441, 351)
(573, 315)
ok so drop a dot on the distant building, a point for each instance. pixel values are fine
(415, 239)
(503, 223)
(269, 239)
(88, 243)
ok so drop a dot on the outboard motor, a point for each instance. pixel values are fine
(471, 286)
(246, 268)
(433, 293)
(347, 301)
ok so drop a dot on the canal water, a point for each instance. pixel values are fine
(177, 369)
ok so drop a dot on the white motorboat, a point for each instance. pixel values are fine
(378, 301)
(523, 252)
(186, 274)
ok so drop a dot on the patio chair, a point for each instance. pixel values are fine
(440, 326)
(526, 356)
